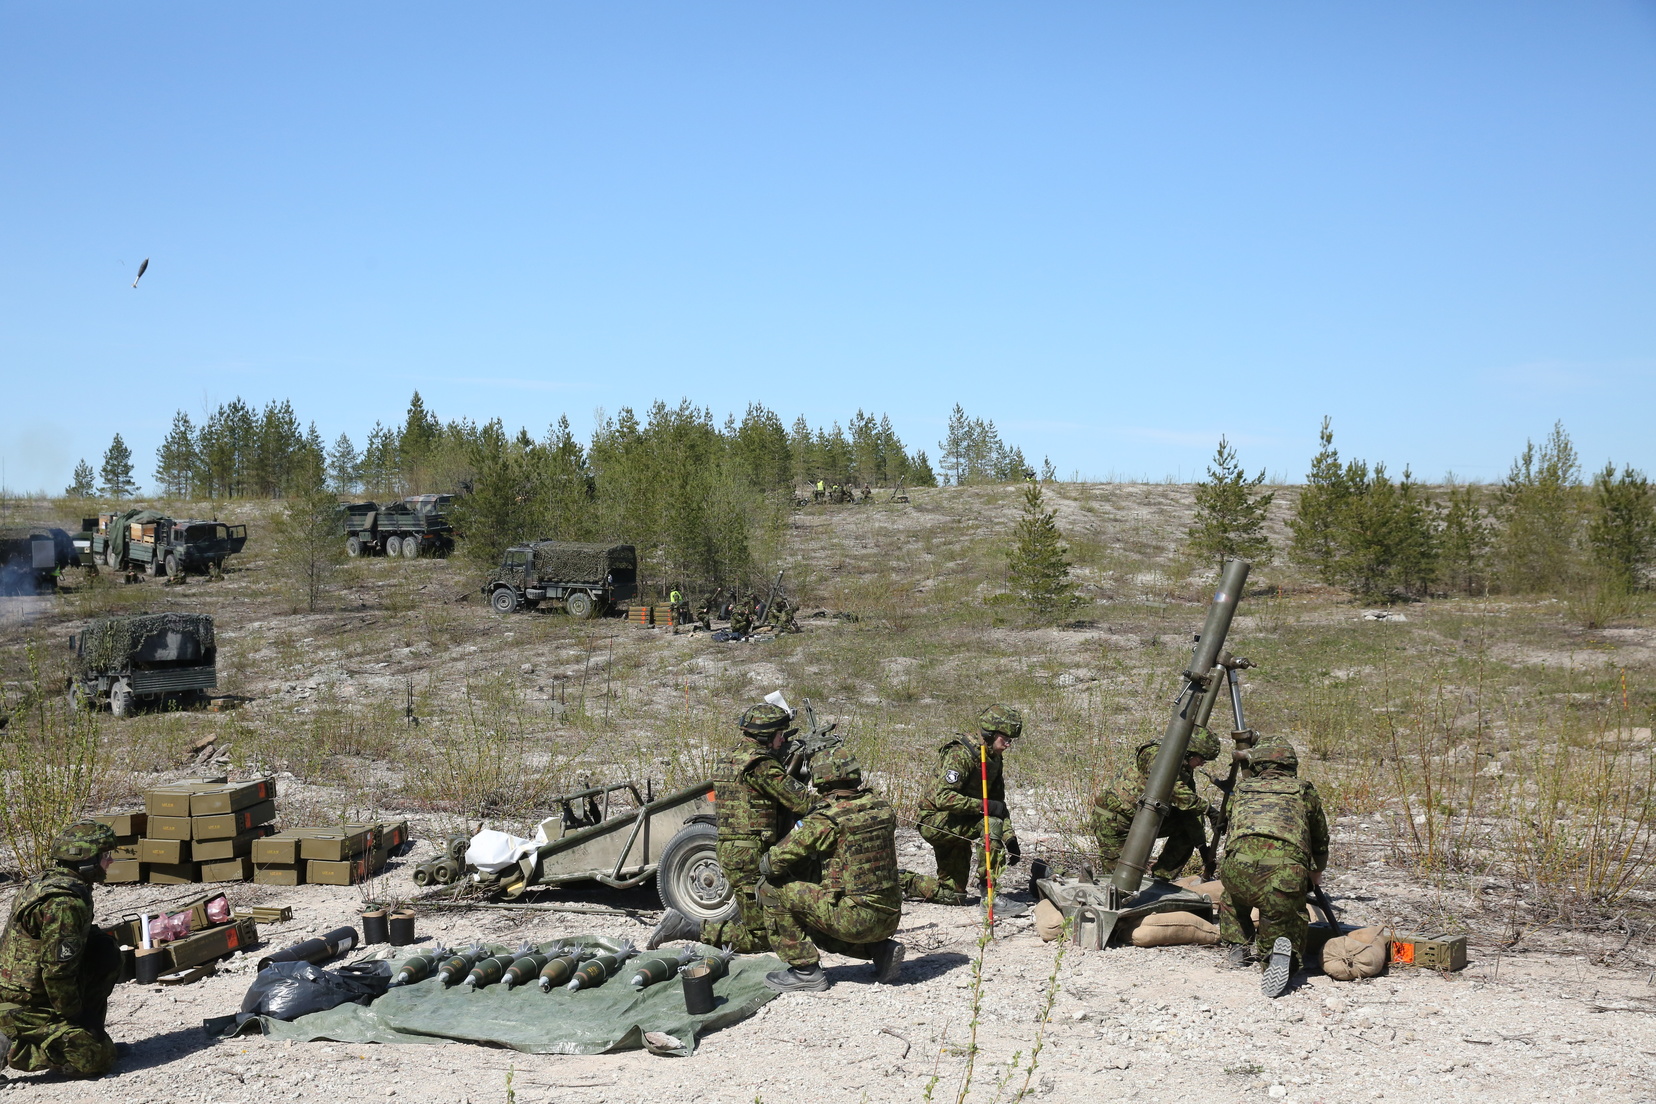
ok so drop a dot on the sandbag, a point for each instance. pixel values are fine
(284, 990)
(1358, 954)
(1049, 921)
(1212, 890)
(1171, 929)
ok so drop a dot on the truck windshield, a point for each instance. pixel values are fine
(517, 559)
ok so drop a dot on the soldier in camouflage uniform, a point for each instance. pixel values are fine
(951, 816)
(56, 968)
(743, 614)
(1114, 808)
(832, 884)
(1277, 849)
(756, 800)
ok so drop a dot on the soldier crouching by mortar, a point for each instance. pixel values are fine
(57, 968)
(951, 816)
(755, 796)
(1277, 850)
(1113, 809)
(856, 907)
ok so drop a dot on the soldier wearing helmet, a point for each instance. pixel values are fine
(951, 815)
(832, 883)
(1277, 850)
(756, 800)
(1113, 809)
(57, 968)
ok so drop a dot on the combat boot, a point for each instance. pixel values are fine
(1278, 968)
(888, 961)
(798, 979)
(674, 925)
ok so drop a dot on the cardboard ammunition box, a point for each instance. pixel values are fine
(169, 827)
(125, 870)
(232, 797)
(227, 870)
(1432, 952)
(233, 848)
(283, 848)
(171, 874)
(343, 871)
(213, 943)
(280, 875)
(125, 825)
(227, 825)
(174, 800)
(168, 852)
(339, 844)
(126, 850)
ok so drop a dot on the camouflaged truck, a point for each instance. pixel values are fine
(147, 540)
(586, 579)
(414, 527)
(150, 659)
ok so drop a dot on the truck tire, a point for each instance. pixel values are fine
(411, 548)
(78, 701)
(353, 547)
(393, 546)
(579, 604)
(504, 600)
(172, 564)
(689, 878)
(120, 701)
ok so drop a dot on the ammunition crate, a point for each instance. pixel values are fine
(167, 852)
(232, 798)
(124, 870)
(126, 825)
(663, 614)
(641, 615)
(339, 844)
(174, 800)
(1432, 952)
(266, 914)
(233, 848)
(282, 849)
(171, 873)
(213, 943)
(228, 825)
(278, 875)
(227, 870)
(169, 827)
(344, 871)
(126, 849)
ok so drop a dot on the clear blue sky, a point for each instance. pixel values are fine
(1118, 230)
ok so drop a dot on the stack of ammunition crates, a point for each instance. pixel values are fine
(193, 832)
(213, 932)
(337, 855)
(641, 615)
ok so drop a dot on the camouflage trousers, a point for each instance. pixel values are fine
(42, 1039)
(955, 839)
(746, 931)
(1182, 830)
(1272, 877)
(805, 917)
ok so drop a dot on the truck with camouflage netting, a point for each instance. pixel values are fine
(148, 658)
(31, 557)
(413, 527)
(585, 578)
(148, 540)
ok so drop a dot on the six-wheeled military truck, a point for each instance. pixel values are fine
(32, 556)
(151, 658)
(586, 578)
(147, 540)
(416, 526)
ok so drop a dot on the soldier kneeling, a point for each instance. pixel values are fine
(856, 908)
(56, 968)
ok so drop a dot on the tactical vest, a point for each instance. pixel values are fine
(21, 954)
(864, 865)
(1274, 807)
(971, 781)
(743, 811)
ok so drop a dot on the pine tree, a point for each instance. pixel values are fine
(1038, 561)
(920, 471)
(1463, 540)
(1539, 507)
(117, 470)
(84, 485)
(176, 461)
(308, 548)
(1230, 517)
(1315, 520)
(1622, 529)
(344, 474)
(1385, 543)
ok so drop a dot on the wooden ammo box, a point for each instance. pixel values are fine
(1432, 952)
(232, 797)
(233, 848)
(641, 615)
(227, 870)
(127, 848)
(227, 825)
(167, 852)
(171, 873)
(204, 946)
(124, 824)
(278, 874)
(344, 871)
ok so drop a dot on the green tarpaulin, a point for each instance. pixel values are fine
(611, 1017)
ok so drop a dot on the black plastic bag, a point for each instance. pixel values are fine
(288, 990)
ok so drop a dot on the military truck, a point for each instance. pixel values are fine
(413, 527)
(147, 540)
(31, 557)
(586, 578)
(148, 658)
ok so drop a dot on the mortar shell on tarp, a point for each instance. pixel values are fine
(718, 962)
(525, 967)
(595, 972)
(489, 970)
(420, 966)
(561, 968)
(653, 971)
(456, 967)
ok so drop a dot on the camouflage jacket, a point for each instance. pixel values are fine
(854, 839)
(959, 785)
(40, 952)
(1277, 805)
(1122, 795)
(753, 793)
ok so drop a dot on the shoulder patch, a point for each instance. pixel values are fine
(69, 949)
(951, 776)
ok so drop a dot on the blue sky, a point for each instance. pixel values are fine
(1117, 230)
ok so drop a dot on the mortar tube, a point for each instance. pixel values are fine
(1201, 685)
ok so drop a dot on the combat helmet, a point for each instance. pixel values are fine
(1204, 744)
(764, 720)
(835, 765)
(1273, 751)
(1001, 720)
(82, 845)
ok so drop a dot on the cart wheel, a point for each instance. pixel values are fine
(690, 879)
(353, 547)
(579, 604)
(504, 600)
